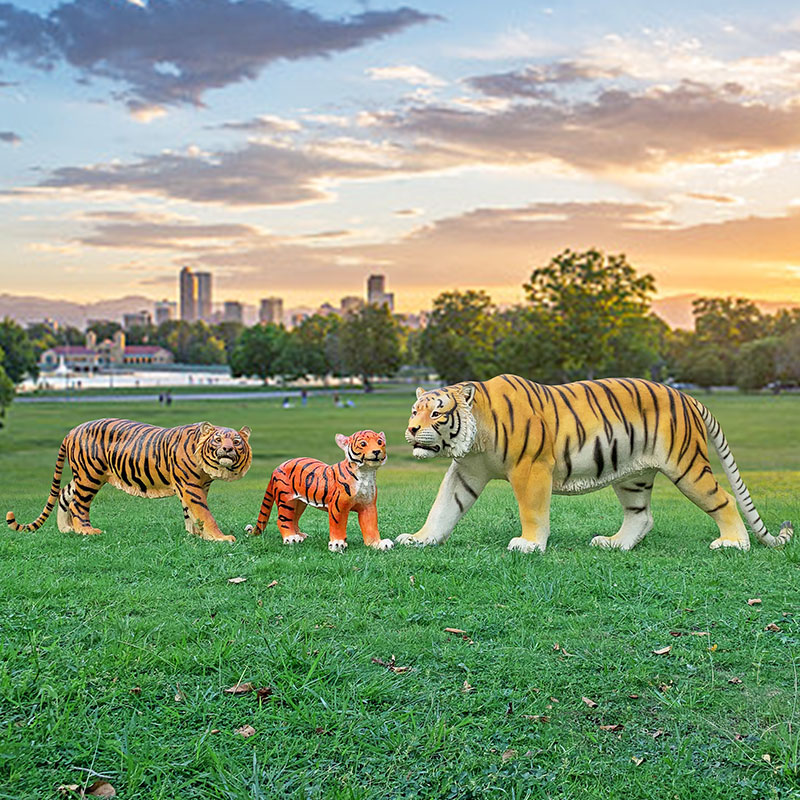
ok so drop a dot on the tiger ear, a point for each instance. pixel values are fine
(420, 392)
(206, 429)
(245, 431)
(342, 441)
(468, 392)
(382, 435)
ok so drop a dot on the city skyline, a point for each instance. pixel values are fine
(444, 145)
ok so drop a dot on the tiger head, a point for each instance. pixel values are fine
(364, 448)
(224, 453)
(442, 422)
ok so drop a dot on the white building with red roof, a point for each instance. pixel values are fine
(109, 354)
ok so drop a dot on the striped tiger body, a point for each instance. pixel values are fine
(575, 438)
(148, 461)
(340, 488)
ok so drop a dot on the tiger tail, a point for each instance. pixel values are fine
(11, 520)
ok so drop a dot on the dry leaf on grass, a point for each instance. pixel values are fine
(240, 688)
(589, 702)
(636, 760)
(767, 757)
(466, 687)
(264, 693)
(508, 755)
(458, 632)
(391, 665)
(657, 734)
(662, 651)
(772, 627)
(136, 690)
(272, 584)
(179, 695)
(557, 648)
(754, 601)
(699, 633)
(66, 788)
(612, 728)
(320, 731)
(237, 580)
(536, 717)
(633, 696)
(101, 789)
(245, 730)
(734, 679)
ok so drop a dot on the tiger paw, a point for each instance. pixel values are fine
(294, 538)
(739, 544)
(413, 538)
(252, 530)
(383, 544)
(602, 541)
(337, 546)
(523, 545)
(89, 531)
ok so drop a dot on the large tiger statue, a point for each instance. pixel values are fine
(571, 439)
(148, 461)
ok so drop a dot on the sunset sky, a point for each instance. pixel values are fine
(294, 148)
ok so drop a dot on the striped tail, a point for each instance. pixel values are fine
(11, 520)
(265, 511)
(743, 498)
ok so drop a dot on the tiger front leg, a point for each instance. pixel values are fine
(73, 507)
(289, 511)
(337, 523)
(197, 517)
(368, 522)
(533, 488)
(460, 488)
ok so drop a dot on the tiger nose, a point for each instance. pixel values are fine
(376, 453)
(226, 448)
(413, 429)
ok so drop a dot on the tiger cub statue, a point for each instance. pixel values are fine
(339, 488)
(147, 461)
(571, 439)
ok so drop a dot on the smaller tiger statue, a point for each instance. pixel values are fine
(339, 488)
(147, 461)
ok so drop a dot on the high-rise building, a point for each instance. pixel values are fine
(376, 288)
(188, 294)
(232, 311)
(203, 295)
(351, 304)
(271, 311)
(140, 319)
(164, 310)
(377, 294)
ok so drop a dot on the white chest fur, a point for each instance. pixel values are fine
(365, 486)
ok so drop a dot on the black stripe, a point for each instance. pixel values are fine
(598, 456)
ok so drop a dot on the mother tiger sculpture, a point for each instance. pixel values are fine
(572, 439)
(147, 461)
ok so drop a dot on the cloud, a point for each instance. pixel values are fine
(619, 130)
(712, 198)
(537, 81)
(136, 234)
(9, 137)
(257, 174)
(406, 73)
(168, 52)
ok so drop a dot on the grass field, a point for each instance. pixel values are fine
(116, 650)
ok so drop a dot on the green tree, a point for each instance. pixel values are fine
(228, 333)
(41, 338)
(638, 348)
(191, 342)
(704, 366)
(589, 298)
(369, 343)
(19, 357)
(787, 357)
(7, 389)
(459, 339)
(314, 346)
(104, 329)
(755, 364)
(260, 351)
(140, 334)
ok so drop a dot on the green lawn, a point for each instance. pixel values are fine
(99, 635)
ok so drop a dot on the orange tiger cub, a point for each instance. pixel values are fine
(148, 461)
(339, 488)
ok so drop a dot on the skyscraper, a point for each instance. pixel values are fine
(164, 311)
(188, 294)
(376, 287)
(232, 311)
(377, 294)
(271, 311)
(203, 295)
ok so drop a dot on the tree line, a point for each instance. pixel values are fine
(585, 315)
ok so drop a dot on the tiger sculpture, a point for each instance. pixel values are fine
(571, 439)
(147, 461)
(340, 488)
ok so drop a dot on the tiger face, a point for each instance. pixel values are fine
(364, 448)
(224, 453)
(441, 422)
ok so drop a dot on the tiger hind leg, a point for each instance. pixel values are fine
(706, 493)
(78, 508)
(63, 515)
(289, 511)
(634, 494)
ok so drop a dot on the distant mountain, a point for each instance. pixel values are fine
(676, 310)
(26, 309)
